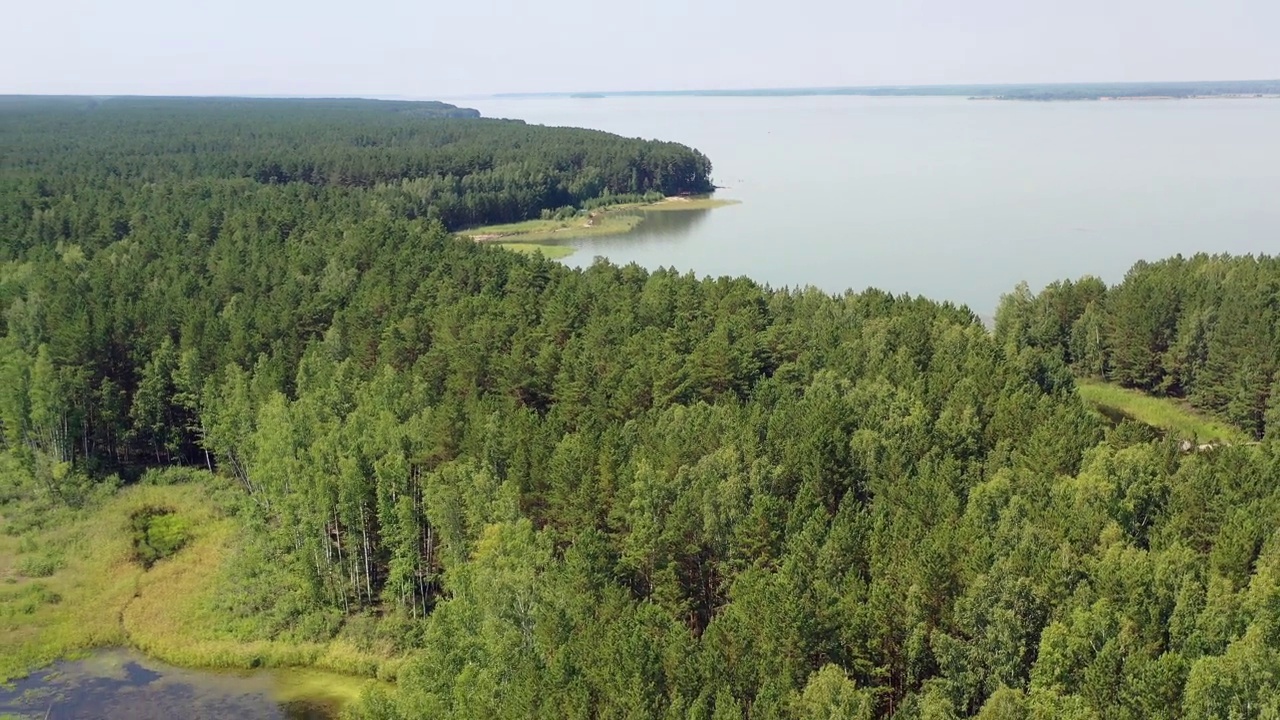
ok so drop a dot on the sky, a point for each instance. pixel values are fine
(432, 49)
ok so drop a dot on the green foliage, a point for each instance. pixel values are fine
(38, 566)
(157, 534)
(171, 476)
(1169, 414)
(551, 252)
(26, 600)
(406, 159)
(608, 492)
(1204, 329)
(1242, 683)
(831, 695)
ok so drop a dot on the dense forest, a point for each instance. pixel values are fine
(79, 171)
(610, 492)
(1205, 329)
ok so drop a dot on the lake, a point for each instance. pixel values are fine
(950, 198)
(123, 685)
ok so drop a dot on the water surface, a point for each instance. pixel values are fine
(951, 198)
(123, 685)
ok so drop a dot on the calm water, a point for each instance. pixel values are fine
(122, 685)
(946, 197)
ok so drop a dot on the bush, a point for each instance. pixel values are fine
(157, 534)
(388, 634)
(38, 566)
(170, 476)
(1132, 432)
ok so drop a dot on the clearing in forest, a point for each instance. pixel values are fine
(1169, 414)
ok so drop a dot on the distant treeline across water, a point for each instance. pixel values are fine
(1051, 91)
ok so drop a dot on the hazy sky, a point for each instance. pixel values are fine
(429, 48)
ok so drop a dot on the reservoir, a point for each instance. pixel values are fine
(950, 198)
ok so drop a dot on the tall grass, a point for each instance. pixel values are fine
(1171, 415)
(101, 596)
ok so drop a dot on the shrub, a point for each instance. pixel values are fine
(170, 476)
(38, 566)
(157, 534)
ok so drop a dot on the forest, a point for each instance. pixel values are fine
(409, 160)
(618, 493)
(1204, 329)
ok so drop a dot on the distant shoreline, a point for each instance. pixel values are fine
(1134, 98)
(1232, 89)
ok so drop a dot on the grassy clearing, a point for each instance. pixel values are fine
(552, 252)
(75, 607)
(604, 222)
(1168, 414)
(612, 220)
(99, 595)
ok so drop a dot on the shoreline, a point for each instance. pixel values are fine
(1020, 91)
(1122, 98)
(75, 684)
(609, 220)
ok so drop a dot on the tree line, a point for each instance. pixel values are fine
(611, 492)
(71, 163)
(1205, 329)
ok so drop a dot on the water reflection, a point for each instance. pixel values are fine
(121, 685)
(669, 224)
(660, 228)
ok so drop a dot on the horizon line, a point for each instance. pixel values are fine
(729, 91)
(887, 86)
